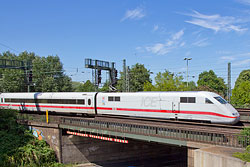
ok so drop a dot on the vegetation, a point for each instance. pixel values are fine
(84, 87)
(166, 81)
(138, 75)
(210, 81)
(18, 147)
(47, 74)
(245, 156)
(241, 93)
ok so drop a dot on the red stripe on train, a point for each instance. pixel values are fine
(123, 109)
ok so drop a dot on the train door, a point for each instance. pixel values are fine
(176, 108)
(90, 104)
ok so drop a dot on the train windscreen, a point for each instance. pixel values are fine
(221, 100)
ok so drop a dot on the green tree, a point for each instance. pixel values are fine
(241, 94)
(244, 76)
(168, 81)
(148, 86)
(86, 87)
(48, 75)
(75, 85)
(12, 80)
(105, 87)
(138, 75)
(47, 72)
(191, 86)
(210, 80)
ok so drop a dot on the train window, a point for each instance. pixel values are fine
(7, 100)
(110, 98)
(221, 100)
(14, 100)
(81, 101)
(114, 98)
(191, 99)
(207, 101)
(89, 101)
(72, 102)
(54, 101)
(117, 98)
(183, 100)
(188, 100)
(43, 101)
(29, 101)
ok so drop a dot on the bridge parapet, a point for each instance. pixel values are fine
(142, 130)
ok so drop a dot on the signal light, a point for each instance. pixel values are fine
(99, 79)
(116, 73)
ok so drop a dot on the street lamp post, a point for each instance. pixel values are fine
(187, 68)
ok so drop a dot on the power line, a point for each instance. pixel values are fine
(9, 48)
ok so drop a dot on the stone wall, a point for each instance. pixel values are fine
(218, 156)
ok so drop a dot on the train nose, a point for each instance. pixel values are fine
(237, 119)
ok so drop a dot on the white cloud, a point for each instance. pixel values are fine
(168, 46)
(201, 42)
(135, 14)
(242, 62)
(247, 54)
(216, 22)
(178, 35)
(156, 27)
(245, 2)
(223, 52)
(227, 58)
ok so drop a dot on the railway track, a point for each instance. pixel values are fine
(180, 124)
(230, 129)
(244, 116)
(243, 110)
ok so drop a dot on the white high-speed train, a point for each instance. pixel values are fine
(201, 105)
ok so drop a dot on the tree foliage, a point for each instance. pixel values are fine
(244, 76)
(138, 75)
(166, 81)
(241, 92)
(86, 87)
(211, 81)
(18, 147)
(245, 156)
(48, 74)
(244, 139)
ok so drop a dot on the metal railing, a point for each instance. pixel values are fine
(162, 132)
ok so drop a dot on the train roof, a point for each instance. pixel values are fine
(47, 94)
(166, 92)
(78, 94)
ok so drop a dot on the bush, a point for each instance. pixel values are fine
(243, 156)
(18, 147)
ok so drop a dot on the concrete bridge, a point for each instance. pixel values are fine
(103, 139)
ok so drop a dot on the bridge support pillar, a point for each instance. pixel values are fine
(51, 134)
(191, 148)
(190, 156)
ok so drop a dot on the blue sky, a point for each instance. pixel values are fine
(158, 34)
